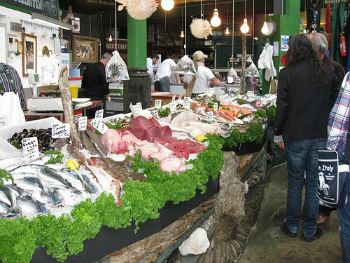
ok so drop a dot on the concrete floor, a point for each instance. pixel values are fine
(267, 243)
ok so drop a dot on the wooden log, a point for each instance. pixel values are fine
(149, 249)
(68, 106)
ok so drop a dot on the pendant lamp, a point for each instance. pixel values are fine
(265, 28)
(227, 30)
(167, 5)
(215, 21)
(244, 27)
(110, 39)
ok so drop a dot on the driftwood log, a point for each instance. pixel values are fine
(68, 106)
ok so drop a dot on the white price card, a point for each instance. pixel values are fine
(186, 98)
(61, 130)
(216, 106)
(99, 125)
(158, 104)
(76, 117)
(30, 149)
(139, 104)
(3, 121)
(136, 110)
(99, 115)
(187, 105)
(82, 123)
(173, 107)
(210, 115)
(173, 98)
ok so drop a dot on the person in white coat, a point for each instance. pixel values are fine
(205, 76)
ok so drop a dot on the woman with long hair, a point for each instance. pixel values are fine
(305, 96)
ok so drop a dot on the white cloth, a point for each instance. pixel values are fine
(204, 75)
(197, 243)
(150, 68)
(11, 112)
(165, 68)
(266, 62)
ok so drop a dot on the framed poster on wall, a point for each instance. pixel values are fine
(84, 49)
(29, 54)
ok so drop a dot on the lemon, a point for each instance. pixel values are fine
(201, 138)
(72, 164)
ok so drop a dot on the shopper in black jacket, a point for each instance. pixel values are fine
(306, 87)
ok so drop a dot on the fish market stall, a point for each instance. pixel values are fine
(81, 190)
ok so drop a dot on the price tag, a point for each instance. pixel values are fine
(82, 123)
(173, 107)
(136, 110)
(99, 115)
(61, 130)
(76, 117)
(139, 104)
(30, 149)
(99, 125)
(216, 106)
(211, 92)
(173, 98)
(210, 115)
(186, 98)
(158, 104)
(187, 105)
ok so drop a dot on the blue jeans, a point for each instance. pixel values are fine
(302, 163)
(344, 230)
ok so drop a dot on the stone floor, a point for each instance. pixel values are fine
(266, 242)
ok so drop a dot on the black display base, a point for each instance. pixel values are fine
(245, 148)
(109, 240)
(137, 89)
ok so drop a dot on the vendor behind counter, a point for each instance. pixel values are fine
(94, 84)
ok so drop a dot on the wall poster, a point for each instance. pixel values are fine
(29, 54)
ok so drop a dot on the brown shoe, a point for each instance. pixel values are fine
(321, 219)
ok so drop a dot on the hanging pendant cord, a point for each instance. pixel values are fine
(185, 27)
(233, 27)
(115, 24)
(201, 9)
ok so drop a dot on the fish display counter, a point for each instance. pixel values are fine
(118, 177)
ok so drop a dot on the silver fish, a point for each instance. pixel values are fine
(84, 180)
(4, 198)
(4, 208)
(28, 206)
(12, 192)
(55, 196)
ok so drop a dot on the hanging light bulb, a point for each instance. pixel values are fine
(244, 27)
(182, 35)
(215, 21)
(110, 39)
(167, 5)
(227, 31)
(265, 29)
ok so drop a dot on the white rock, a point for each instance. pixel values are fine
(197, 243)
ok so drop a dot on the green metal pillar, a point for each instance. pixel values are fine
(138, 88)
(286, 24)
(137, 43)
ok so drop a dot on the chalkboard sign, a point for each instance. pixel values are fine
(44, 7)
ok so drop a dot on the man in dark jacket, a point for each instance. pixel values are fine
(306, 87)
(94, 84)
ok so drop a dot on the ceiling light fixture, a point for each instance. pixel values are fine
(265, 28)
(167, 5)
(215, 21)
(110, 39)
(244, 27)
(227, 30)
